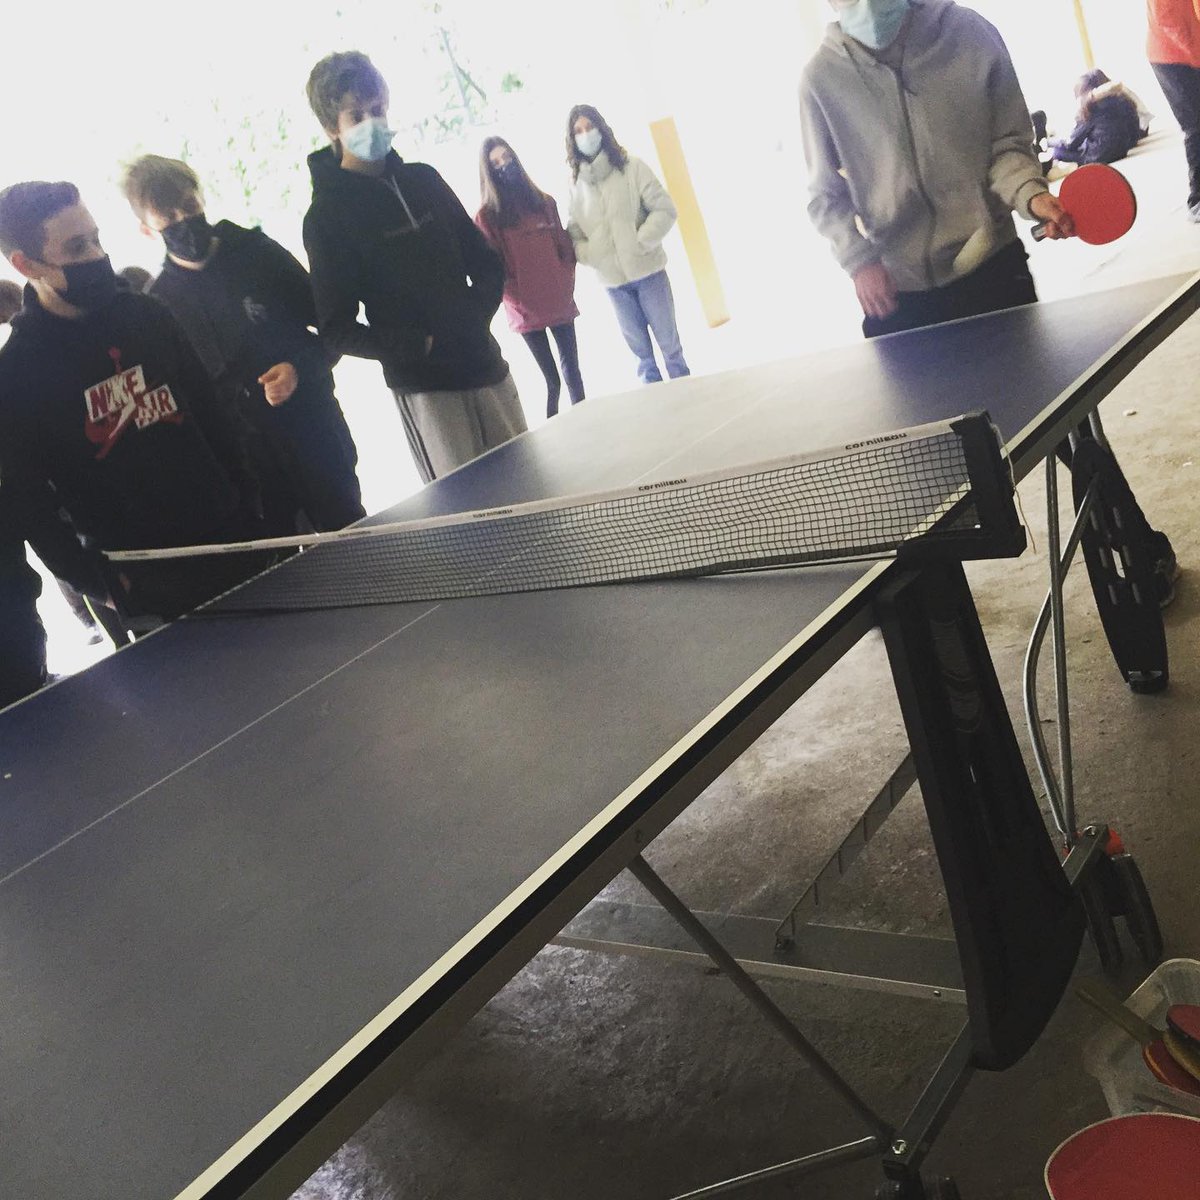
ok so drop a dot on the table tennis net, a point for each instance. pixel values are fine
(931, 486)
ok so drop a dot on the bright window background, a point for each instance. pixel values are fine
(90, 86)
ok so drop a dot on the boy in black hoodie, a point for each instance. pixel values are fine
(107, 417)
(246, 305)
(393, 237)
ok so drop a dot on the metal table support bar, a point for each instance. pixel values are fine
(898, 964)
(1062, 800)
(912, 1140)
(1059, 626)
(808, 1165)
(653, 883)
(844, 857)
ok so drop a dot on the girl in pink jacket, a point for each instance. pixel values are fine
(522, 224)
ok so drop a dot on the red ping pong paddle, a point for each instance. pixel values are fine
(1170, 1060)
(1183, 1020)
(1100, 201)
(1147, 1156)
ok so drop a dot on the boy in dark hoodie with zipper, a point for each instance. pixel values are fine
(108, 419)
(393, 237)
(246, 305)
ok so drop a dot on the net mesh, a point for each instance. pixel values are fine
(859, 502)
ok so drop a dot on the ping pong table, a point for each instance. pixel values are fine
(255, 869)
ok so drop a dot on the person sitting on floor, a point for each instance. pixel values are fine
(1107, 124)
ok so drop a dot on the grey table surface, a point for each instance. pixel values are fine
(228, 849)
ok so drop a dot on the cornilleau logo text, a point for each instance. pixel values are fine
(650, 487)
(879, 441)
(492, 512)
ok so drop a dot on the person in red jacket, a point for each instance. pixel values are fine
(522, 225)
(1173, 47)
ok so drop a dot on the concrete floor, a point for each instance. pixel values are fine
(591, 1077)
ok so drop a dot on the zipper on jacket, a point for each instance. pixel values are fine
(394, 185)
(912, 146)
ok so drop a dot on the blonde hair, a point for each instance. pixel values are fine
(153, 182)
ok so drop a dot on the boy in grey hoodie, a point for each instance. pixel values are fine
(919, 147)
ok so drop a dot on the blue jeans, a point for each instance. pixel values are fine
(643, 306)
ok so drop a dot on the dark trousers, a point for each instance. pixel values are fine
(22, 653)
(304, 457)
(168, 588)
(93, 615)
(1181, 86)
(321, 464)
(568, 354)
(1003, 281)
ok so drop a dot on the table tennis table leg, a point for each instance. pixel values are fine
(1113, 886)
(1017, 920)
(1129, 563)
(1060, 795)
(769, 1010)
(903, 1156)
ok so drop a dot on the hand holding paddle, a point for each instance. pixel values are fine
(1095, 200)
(1054, 221)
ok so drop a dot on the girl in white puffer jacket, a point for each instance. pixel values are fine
(619, 215)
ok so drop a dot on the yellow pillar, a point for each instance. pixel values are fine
(678, 180)
(1089, 59)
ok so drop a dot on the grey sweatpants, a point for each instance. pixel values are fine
(447, 429)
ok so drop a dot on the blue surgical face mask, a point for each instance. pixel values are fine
(369, 140)
(875, 23)
(589, 142)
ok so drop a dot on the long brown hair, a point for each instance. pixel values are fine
(617, 154)
(1085, 87)
(507, 205)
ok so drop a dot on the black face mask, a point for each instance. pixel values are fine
(508, 174)
(190, 238)
(89, 284)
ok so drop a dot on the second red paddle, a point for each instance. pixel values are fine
(1099, 201)
(1183, 1020)
(1170, 1060)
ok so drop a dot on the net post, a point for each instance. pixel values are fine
(1001, 534)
